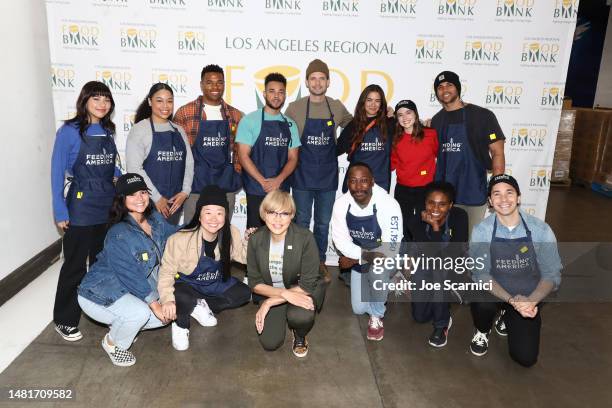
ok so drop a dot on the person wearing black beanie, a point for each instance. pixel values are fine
(471, 144)
(195, 278)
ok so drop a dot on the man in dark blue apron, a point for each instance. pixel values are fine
(210, 124)
(315, 179)
(521, 266)
(165, 164)
(367, 224)
(267, 147)
(471, 143)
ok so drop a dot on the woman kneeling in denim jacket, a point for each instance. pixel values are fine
(120, 289)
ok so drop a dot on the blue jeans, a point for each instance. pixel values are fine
(126, 317)
(366, 296)
(323, 205)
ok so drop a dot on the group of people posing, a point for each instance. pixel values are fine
(131, 264)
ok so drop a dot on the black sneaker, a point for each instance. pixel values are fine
(300, 345)
(480, 343)
(439, 336)
(500, 325)
(68, 333)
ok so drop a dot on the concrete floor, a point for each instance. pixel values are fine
(225, 366)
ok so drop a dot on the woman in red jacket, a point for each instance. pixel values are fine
(413, 157)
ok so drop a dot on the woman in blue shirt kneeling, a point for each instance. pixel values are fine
(120, 289)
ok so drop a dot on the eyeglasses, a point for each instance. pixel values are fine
(281, 214)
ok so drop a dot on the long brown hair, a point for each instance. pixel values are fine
(90, 90)
(418, 130)
(361, 119)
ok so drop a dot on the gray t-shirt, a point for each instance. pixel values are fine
(297, 111)
(137, 149)
(275, 263)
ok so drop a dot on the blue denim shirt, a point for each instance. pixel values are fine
(544, 243)
(129, 262)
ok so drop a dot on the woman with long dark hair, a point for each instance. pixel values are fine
(368, 137)
(413, 157)
(158, 150)
(120, 289)
(85, 152)
(195, 276)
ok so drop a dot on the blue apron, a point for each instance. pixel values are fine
(365, 232)
(513, 262)
(212, 157)
(459, 166)
(165, 164)
(317, 167)
(269, 154)
(207, 277)
(377, 155)
(91, 191)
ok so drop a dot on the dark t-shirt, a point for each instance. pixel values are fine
(346, 136)
(482, 127)
(457, 223)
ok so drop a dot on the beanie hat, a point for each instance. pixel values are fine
(213, 195)
(447, 76)
(317, 66)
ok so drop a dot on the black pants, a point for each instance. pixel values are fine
(298, 319)
(253, 203)
(80, 245)
(412, 202)
(186, 298)
(523, 333)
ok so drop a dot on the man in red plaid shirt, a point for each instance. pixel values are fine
(211, 124)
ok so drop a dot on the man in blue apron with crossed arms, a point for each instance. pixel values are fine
(471, 142)
(315, 180)
(521, 265)
(268, 145)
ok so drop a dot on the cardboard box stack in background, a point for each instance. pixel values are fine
(563, 148)
(591, 147)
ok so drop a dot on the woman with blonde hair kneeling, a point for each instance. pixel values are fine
(283, 264)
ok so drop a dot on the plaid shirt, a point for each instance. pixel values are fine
(188, 116)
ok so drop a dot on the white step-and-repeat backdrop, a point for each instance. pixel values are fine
(511, 55)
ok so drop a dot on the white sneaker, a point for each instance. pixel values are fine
(203, 314)
(245, 280)
(180, 338)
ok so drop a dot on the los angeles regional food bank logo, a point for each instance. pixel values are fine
(398, 8)
(138, 39)
(565, 10)
(293, 81)
(514, 8)
(80, 35)
(456, 8)
(191, 42)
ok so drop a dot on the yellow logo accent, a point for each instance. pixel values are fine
(423, 172)
(291, 73)
(329, 123)
(145, 256)
(492, 136)
(177, 276)
(524, 249)
(79, 194)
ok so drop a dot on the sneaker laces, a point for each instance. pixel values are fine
(375, 322)
(480, 338)
(67, 328)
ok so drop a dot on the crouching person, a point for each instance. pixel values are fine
(120, 289)
(284, 274)
(195, 277)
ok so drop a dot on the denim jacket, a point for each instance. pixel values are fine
(129, 262)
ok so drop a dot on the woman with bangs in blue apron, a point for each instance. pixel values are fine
(158, 150)
(368, 137)
(85, 152)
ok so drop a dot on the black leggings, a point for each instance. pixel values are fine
(186, 298)
(81, 244)
(412, 202)
(523, 333)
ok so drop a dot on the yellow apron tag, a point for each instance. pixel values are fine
(492, 136)
(177, 276)
(423, 172)
(145, 256)
(329, 123)
(79, 194)
(524, 249)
